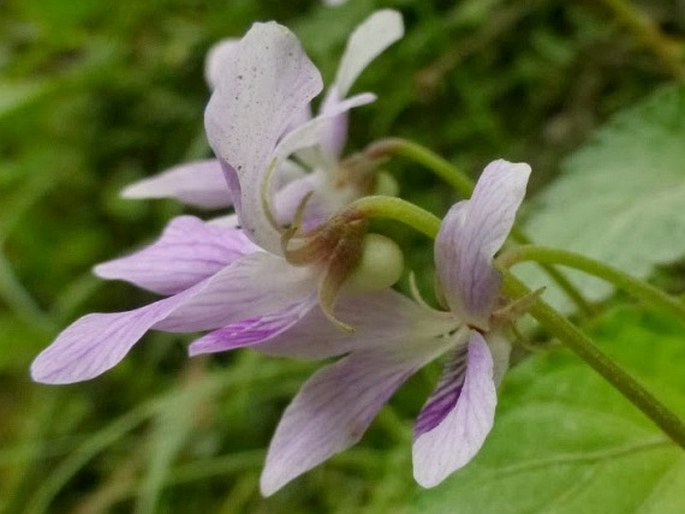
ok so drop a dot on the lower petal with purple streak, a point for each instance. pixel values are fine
(446, 439)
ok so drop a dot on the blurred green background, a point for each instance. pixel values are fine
(96, 95)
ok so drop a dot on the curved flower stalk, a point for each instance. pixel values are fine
(218, 277)
(397, 337)
(201, 184)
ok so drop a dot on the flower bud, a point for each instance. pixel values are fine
(380, 266)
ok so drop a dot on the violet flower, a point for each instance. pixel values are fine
(201, 184)
(396, 337)
(218, 278)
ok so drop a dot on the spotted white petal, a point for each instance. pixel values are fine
(266, 82)
(470, 235)
(214, 62)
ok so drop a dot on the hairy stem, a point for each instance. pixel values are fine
(550, 319)
(636, 287)
(583, 346)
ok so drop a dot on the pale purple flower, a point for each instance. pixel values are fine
(201, 184)
(216, 276)
(395, 338)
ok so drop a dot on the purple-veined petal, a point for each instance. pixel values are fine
(254, 285)
(266, 83)
(199, 184)
(333, 140)
(457, 418)
(309, 134)
(470, 235)
(383, 319)
(253, 331)
(368, 41)
(330, 130)
(331, 413)
(443, 399)
(188, 252)
(216, 57)
(97, 342)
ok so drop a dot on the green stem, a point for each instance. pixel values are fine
(394, 208)
(583, 346)
(551, 320)
(644, 29)
(639, 289)
(464, 186)
(444, 169)
(557, 276)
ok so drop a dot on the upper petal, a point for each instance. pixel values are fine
(199, 184)
(455, 421)
(331, 413)
(368, 41)
(263, 84)
(188, 251)
(470, 235)
(216, 56)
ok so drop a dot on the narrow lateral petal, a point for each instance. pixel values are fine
(199, 184)
(331, 413)
(97, 342)
(333, 140)
(309, 134)
(456, 438)
(368, 41)
(254, 331)
(384, 319)
(470, 235)
(267, 81)
(188, 252)
(254, 285)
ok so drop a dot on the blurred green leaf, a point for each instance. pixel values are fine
(14, 95)
(620, 198)
(566, 442)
